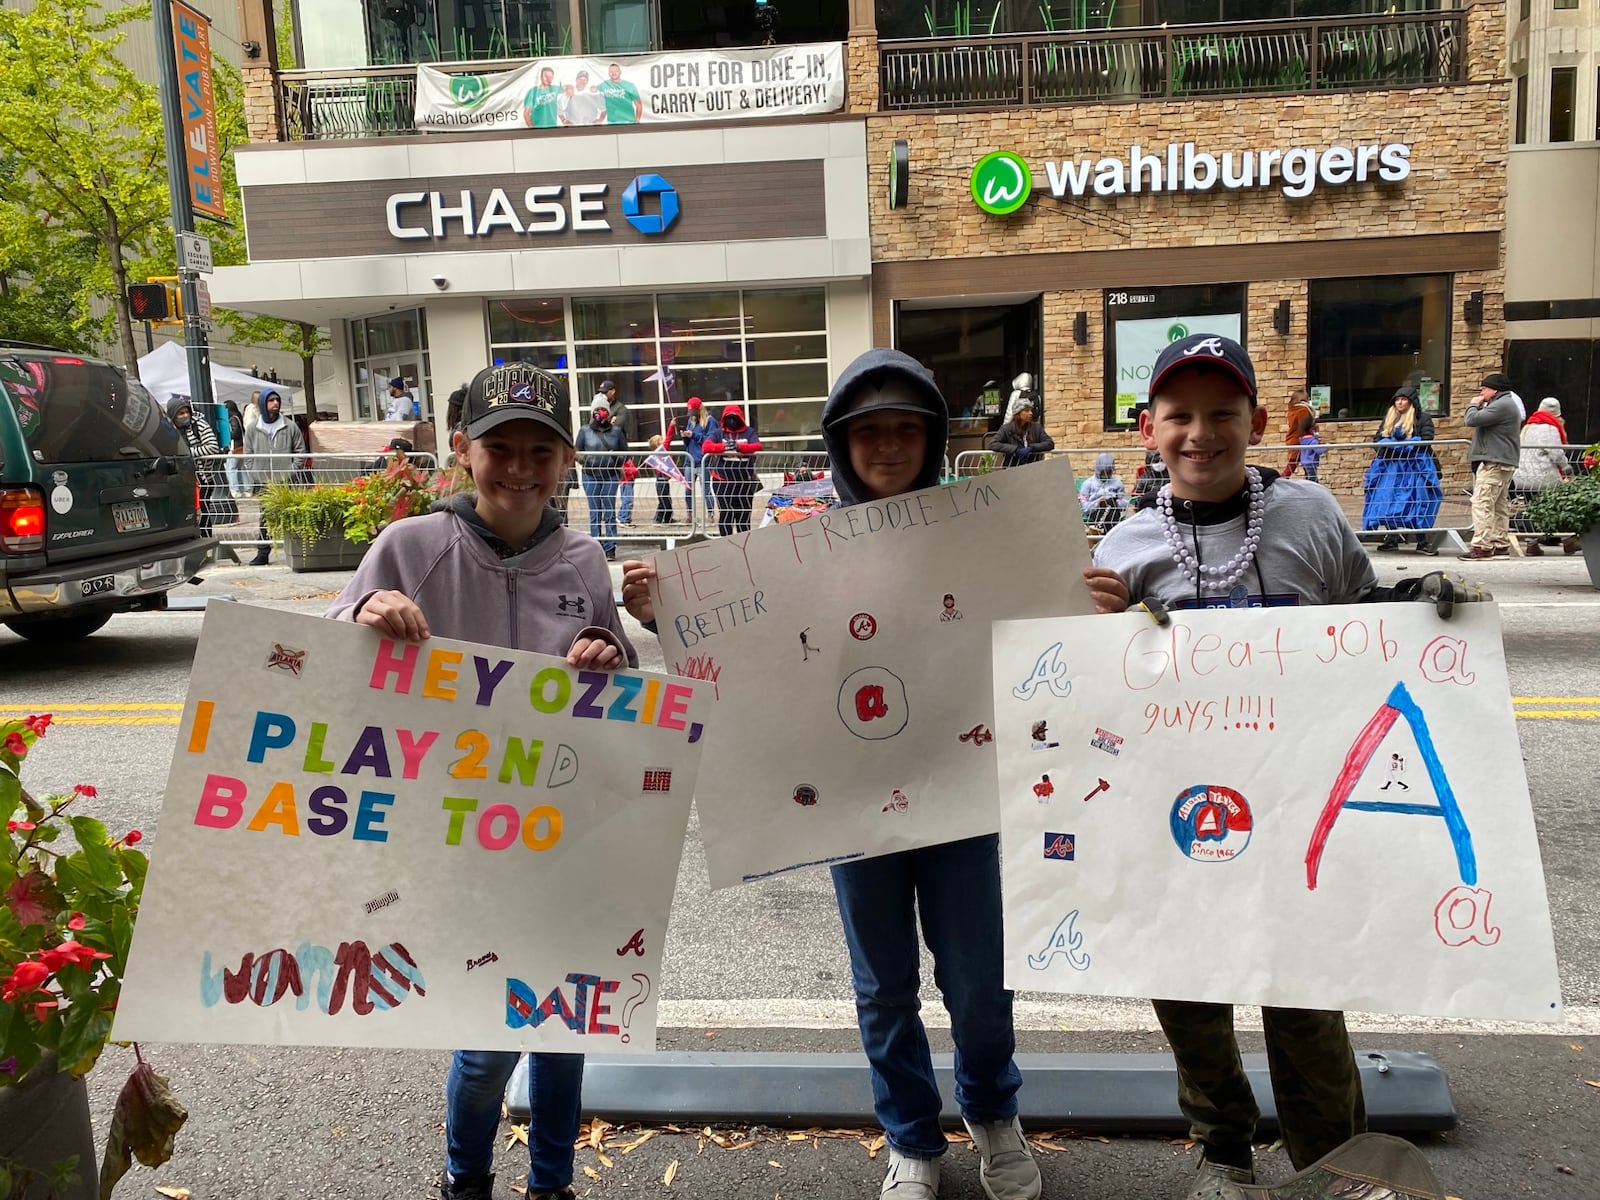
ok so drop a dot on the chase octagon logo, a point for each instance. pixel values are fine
(634, 198)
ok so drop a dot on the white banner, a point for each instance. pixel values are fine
(1140, 342)
(377, 843)
(638, 89)
(850, 653)
(1321, 807)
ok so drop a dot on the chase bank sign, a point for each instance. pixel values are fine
(648, 203)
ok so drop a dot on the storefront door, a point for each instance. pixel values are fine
(974, 352)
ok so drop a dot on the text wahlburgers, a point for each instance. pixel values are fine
(1184, 169)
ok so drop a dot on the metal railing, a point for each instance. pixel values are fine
(1245, 58)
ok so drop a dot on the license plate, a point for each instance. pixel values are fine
(99, 584)
(130, 516)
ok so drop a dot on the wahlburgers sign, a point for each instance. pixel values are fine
(1001, 182)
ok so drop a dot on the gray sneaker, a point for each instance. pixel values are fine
(910, 1178)
(1213, 1181)
(1006, 1170)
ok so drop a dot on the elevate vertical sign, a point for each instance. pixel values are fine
(191, 39)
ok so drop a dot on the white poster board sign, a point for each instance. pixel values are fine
(850, 653)
(377, 843)
(672, 87)
(1320, 807)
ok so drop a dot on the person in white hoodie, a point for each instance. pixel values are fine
(274, 449)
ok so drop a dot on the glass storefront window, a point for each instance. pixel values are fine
(385, 346)
(766, 350)
(1141, 321)
(1367, 337)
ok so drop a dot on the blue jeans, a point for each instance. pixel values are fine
(701, 475)
(957, 889)
(602, 494)
(625, 508)
(473, 1096)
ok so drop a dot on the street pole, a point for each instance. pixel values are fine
(149, 338)
(194, 334)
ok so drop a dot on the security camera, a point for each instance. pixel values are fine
(440, 282)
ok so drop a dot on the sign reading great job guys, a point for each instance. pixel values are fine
(191, 38)
(850, 655)
(368, 842)
(1321, 807)
(638, 89)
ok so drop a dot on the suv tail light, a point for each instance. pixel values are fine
(21, 520)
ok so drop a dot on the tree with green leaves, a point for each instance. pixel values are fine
(83, 188)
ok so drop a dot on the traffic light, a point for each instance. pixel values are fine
(158, 301)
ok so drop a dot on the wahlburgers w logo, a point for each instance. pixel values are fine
(468, 91)
(1001, 183)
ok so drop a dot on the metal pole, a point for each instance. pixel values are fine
(149, 338)
(194, 334)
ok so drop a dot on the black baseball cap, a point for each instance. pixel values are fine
(1205, 349)
(515, 391)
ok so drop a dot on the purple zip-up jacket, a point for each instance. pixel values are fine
(542, 600)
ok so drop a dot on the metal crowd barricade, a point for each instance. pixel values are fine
(1412, 505)
(1541, 468)
(231, 485)
(596, 490)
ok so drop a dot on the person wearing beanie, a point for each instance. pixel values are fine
(1103, 497)
(490, 566)
(275, 451)
(1542, 464)
(1020, 440)
(1401, 488)
(204, 446)
(1495, 453)
(399, 406)
(601, 448)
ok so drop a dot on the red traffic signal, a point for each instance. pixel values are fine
(149, 302)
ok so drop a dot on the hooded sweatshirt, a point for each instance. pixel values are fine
(541, 597)
(1542, 462)
(872, 369)
(270, 444)
(734, 467)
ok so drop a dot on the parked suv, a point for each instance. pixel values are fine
(98, 497)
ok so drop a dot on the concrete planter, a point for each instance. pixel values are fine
(45, 1120)
(330, 552)
(1590, 540)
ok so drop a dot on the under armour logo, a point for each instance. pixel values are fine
(1211, 345)
(575, 603)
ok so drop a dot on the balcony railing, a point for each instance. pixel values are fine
(1251, 58)
(358, 102)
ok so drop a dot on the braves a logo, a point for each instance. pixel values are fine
(522, 393)
(284, 659)
(1211, 345)
(575, 603)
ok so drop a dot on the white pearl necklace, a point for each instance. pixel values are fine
(1205, 574)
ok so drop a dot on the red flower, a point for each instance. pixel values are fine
(133, 838)
(87, 790)
(77, 922)
(72, 952)
(39, 723)
(16, 745)
(41, 1009)
(13, 826)
(27, 976)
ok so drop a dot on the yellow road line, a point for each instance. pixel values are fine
(55, 708)
(1555, 699)
(1579, 714)
(117, 721)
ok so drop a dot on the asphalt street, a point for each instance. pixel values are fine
(764, 967)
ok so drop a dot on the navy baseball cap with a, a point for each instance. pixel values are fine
(1205, 350)
(514, 391)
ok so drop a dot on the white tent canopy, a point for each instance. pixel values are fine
(165, 372)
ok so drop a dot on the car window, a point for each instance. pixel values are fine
(76, 411)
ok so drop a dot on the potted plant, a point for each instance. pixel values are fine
(66, 921)
(1574, 507)
(328, 526)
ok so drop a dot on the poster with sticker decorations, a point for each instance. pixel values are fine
(850, 657)
(1320, 807)
(370, 842)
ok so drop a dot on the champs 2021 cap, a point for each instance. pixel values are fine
(514, 391)
(1205, 349)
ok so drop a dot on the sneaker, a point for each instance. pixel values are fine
(469, 1187)
(259, 560)
(1476, 554)
(1389, 543)
(1006, 1169)
(1534, 549)
(1428, 548)
(910, 1178)
(1213, 1181)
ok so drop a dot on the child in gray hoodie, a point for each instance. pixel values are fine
(500, 568)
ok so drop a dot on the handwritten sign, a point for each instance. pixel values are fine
(377, 843)
(1321, 807)
(850, 654)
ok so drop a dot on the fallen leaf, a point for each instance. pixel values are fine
(1575, 1046)
(1594, 1083)
(591, 1173)
(799, 1137)
(174, 1193)
(604, 1161)
(774, 1164)
(517, 1133)
(597, 1132)
(634, 1145)
(672, 1169)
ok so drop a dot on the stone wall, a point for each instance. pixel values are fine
(261, 113)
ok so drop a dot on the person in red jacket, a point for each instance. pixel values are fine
(733, 471)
